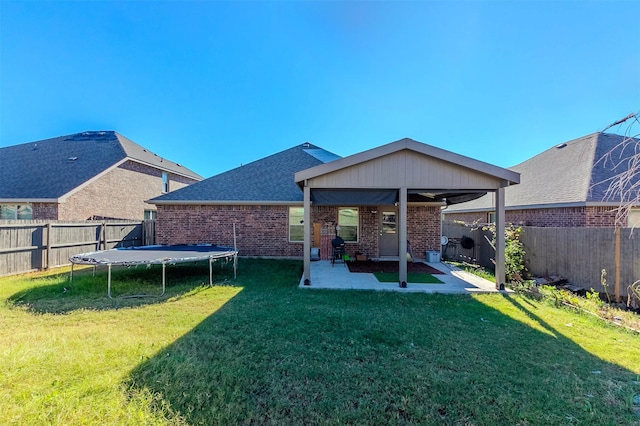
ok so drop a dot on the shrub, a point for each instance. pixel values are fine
(514, 252)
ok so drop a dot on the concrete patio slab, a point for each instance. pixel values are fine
(455, 281)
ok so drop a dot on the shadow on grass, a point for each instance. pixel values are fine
(277, 355)
(58, 294)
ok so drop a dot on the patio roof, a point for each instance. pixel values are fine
(397, 172)
(378, 168)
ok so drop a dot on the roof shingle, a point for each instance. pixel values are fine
(569, 173)
(270, 179)
(50, 168)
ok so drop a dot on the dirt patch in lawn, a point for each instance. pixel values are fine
(371, 267)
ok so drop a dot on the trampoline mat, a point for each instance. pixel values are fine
(153, 255)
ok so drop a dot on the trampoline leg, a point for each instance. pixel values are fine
(164, 267)
(210, 271)
(71, 274)
(109, 282)
(235, 266)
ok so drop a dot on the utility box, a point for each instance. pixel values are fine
(433, 256)
(315, 253)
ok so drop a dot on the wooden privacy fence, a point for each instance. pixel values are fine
(33, 245)
(577, 254)
(580, 255)
(481, 253)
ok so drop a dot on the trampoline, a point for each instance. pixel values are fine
(156, 255)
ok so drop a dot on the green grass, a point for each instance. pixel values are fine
(412, 277)
(476, 270)
(262, 351)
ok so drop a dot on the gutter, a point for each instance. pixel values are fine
(29, 200)
(223, 203)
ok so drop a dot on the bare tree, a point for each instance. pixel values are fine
(623, 184)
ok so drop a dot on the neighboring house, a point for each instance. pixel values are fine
(564, 186)
(375, 200)
(89, 175)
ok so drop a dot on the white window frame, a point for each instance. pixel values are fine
(153, 214)
(16, 211)
(165, 183)
(340, 229)
(296, 214)
(633, 218)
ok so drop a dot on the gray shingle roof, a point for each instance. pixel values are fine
(269, 179)
(569, 173)
(50, 168)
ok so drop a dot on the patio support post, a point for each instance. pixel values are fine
(402, 236)
(307, 234)
(500, 239)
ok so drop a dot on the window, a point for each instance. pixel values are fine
(633, 218)
(165, 182)
(16, 211)
(150, 214)
(296, 224)
(348, 224)
(491, 217)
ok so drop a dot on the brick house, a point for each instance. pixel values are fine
(564, 186)
(89, 175)
(382, 202)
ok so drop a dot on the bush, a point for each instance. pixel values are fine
(514, 252)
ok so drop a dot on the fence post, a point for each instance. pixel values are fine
(617, 265)
(48, 246)
(103, 235)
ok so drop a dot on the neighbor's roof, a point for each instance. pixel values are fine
(571, 174)
(46, 170)
(265, 181)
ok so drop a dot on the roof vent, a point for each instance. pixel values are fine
(560, 146)
(35, 146)
(71, 159)
(306, 145)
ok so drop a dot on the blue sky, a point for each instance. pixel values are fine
(212, 85)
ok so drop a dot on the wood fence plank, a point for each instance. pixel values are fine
(577, 254)
(27, 246)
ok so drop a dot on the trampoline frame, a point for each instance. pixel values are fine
(97, 258)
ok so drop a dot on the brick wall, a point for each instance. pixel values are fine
(480, 217)
(264, 230)
(119, 194)
(589, 217)
(47, 211)
(260, 230)
(596, 217)
(423, 229)
(367, 243)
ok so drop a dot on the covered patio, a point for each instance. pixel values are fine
(402, 175)
(454, 281)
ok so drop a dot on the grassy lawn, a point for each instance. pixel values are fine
(259, 350)
(412, 277)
